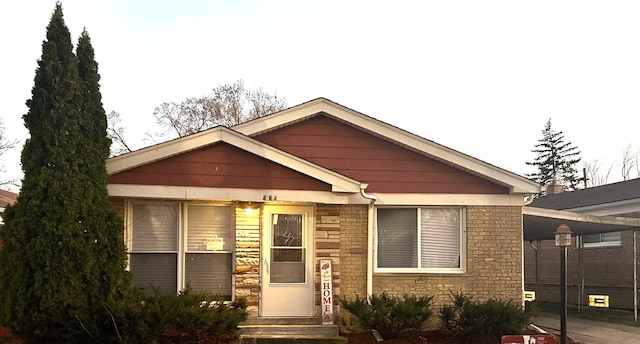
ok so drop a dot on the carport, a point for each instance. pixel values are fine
(541, 223)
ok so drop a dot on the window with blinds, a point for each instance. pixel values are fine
(611, 239)
(153, 259)
(419, 240)
(172, 245)
(210, 243)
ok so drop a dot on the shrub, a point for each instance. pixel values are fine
(189, 317)
(390, 315)
(465, 317)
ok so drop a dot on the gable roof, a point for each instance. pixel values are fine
(514, 182)
(338, 182)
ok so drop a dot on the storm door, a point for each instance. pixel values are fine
(287, 262)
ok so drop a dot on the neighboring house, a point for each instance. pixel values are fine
(6, 198)
(248, 212)
(602, 258)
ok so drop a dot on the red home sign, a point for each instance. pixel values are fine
(530, 339)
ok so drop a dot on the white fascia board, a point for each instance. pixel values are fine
(571, 216)
(515, 183)
(610, 209)
(448, 199)
(338, 182)
(224, 194)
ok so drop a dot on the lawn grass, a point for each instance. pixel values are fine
(611, 315)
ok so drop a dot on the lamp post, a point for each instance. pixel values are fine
(563, 240)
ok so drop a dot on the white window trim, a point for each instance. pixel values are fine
(463, 246)
(181, 232)
(601, 244)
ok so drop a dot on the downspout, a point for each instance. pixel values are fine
(370, 240)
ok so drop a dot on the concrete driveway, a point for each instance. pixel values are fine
(589, 331)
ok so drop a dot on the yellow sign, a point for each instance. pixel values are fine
(599, 301)
(529, 295)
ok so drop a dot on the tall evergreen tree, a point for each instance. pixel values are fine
(555, 159)
(110, 279)
(64, 253)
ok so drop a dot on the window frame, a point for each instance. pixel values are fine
(462, 243)
(182, 232)
(600, 243)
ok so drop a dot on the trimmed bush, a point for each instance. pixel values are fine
(189, 317)
(466, 318)
(390, 315)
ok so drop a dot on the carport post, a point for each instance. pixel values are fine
(635, 275)
(563, 240)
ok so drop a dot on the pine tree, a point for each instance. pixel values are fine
(555, 158)
(64, 255)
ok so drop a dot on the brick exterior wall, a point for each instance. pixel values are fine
(606, 271)
(494, 259)
(493, 256)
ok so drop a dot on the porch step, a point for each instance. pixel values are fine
(288, 330)
(292, 340)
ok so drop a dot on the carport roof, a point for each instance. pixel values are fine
(540, 223)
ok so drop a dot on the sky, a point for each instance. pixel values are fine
(480, 77)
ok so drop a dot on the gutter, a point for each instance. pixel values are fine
(370, 240)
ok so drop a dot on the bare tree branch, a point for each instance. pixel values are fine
(6, 144)
(116, 132)
(594, 175)
(629, 161)
(228, 105)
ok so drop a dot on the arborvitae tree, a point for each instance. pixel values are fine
(555, 158)
(111, 280)
(63, 254)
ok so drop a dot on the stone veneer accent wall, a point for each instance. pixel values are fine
(247, 277)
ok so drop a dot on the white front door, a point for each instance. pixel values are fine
(287, 262)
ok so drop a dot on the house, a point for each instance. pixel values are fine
(250, 211)
(603, 254)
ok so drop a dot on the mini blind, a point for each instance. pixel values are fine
(210, 272)
(439, 238)
(155, 227)
(209, 223)
(155, 270)
(397, 238)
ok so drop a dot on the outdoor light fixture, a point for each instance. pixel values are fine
(563, 240)
(563, 236)
(248, 209)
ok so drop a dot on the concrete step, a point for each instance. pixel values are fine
(290, 330)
